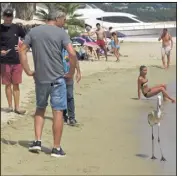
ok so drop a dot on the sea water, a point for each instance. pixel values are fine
(167, 135)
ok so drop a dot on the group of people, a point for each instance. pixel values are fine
(52, 77)
(101, 42)
(55, 62)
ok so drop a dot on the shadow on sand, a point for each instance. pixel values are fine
(142, 155)
(134, 98)
(6, 110)
(25, 144)
(78, 125)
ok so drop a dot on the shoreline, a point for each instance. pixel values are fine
(144, 40)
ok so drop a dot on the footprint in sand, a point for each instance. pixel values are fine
(91, 169)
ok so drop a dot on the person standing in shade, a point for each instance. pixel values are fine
(70, 90)
(47, 42)
(11, 69)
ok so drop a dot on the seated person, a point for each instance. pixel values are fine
(150, 92)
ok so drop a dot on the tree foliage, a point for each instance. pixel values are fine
(24, 11)
(68, 8)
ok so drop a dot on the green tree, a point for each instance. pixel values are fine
(72, 23)
(24, 11)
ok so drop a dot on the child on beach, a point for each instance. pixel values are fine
(115, 45)
(70, 90)
(150, 92)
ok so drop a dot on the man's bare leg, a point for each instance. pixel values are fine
(39, 123)
(9, 95)
(168, 60)
(95, 54)
(105, 52)
(98, 54)
(163, 61)
(16, 94)
(57, 127)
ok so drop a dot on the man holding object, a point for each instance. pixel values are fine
(11, 69)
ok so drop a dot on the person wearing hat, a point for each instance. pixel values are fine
(11, 69)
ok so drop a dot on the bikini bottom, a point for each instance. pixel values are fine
(145, 94)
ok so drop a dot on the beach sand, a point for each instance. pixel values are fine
(109, 138)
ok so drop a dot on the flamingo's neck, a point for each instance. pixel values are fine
(158, 111)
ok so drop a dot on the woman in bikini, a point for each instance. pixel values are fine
(150, 92)
(115, 45)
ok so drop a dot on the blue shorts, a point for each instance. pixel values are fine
(57, 93)
(115, 46)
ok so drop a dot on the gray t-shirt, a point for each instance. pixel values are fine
(47, 42)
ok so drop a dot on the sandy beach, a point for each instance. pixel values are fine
(113, 130)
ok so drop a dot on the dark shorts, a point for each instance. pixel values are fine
(11, 74)
(57, 93)
(101, 43)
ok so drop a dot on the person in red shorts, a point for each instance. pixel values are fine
(101, 36)
(11, 69)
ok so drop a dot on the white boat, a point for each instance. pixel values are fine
(125, 23)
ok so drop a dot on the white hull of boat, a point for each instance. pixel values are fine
(147, 32)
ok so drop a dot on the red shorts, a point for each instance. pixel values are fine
(101, 43)
(11, 74)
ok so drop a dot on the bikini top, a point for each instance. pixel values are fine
(145, 83)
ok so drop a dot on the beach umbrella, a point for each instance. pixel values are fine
(85, 41)
(78, 40)
(90, 42)
(154, 118)
(88, 39)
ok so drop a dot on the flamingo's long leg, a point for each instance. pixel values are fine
(153, 157)
(162, 157)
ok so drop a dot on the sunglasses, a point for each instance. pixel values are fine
(8, 14)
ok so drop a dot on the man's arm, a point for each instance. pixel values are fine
(23, 55)
(139, 88)
(86, 34)
(78, 67)
(3, 47)
(105, 36)
(159, 39)
(171, 41)
(23, 59)
(78, 74)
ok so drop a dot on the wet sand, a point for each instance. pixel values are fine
(113, 137)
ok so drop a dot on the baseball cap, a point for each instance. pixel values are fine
(8, 13)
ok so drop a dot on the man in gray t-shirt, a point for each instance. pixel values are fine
(47, 42)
